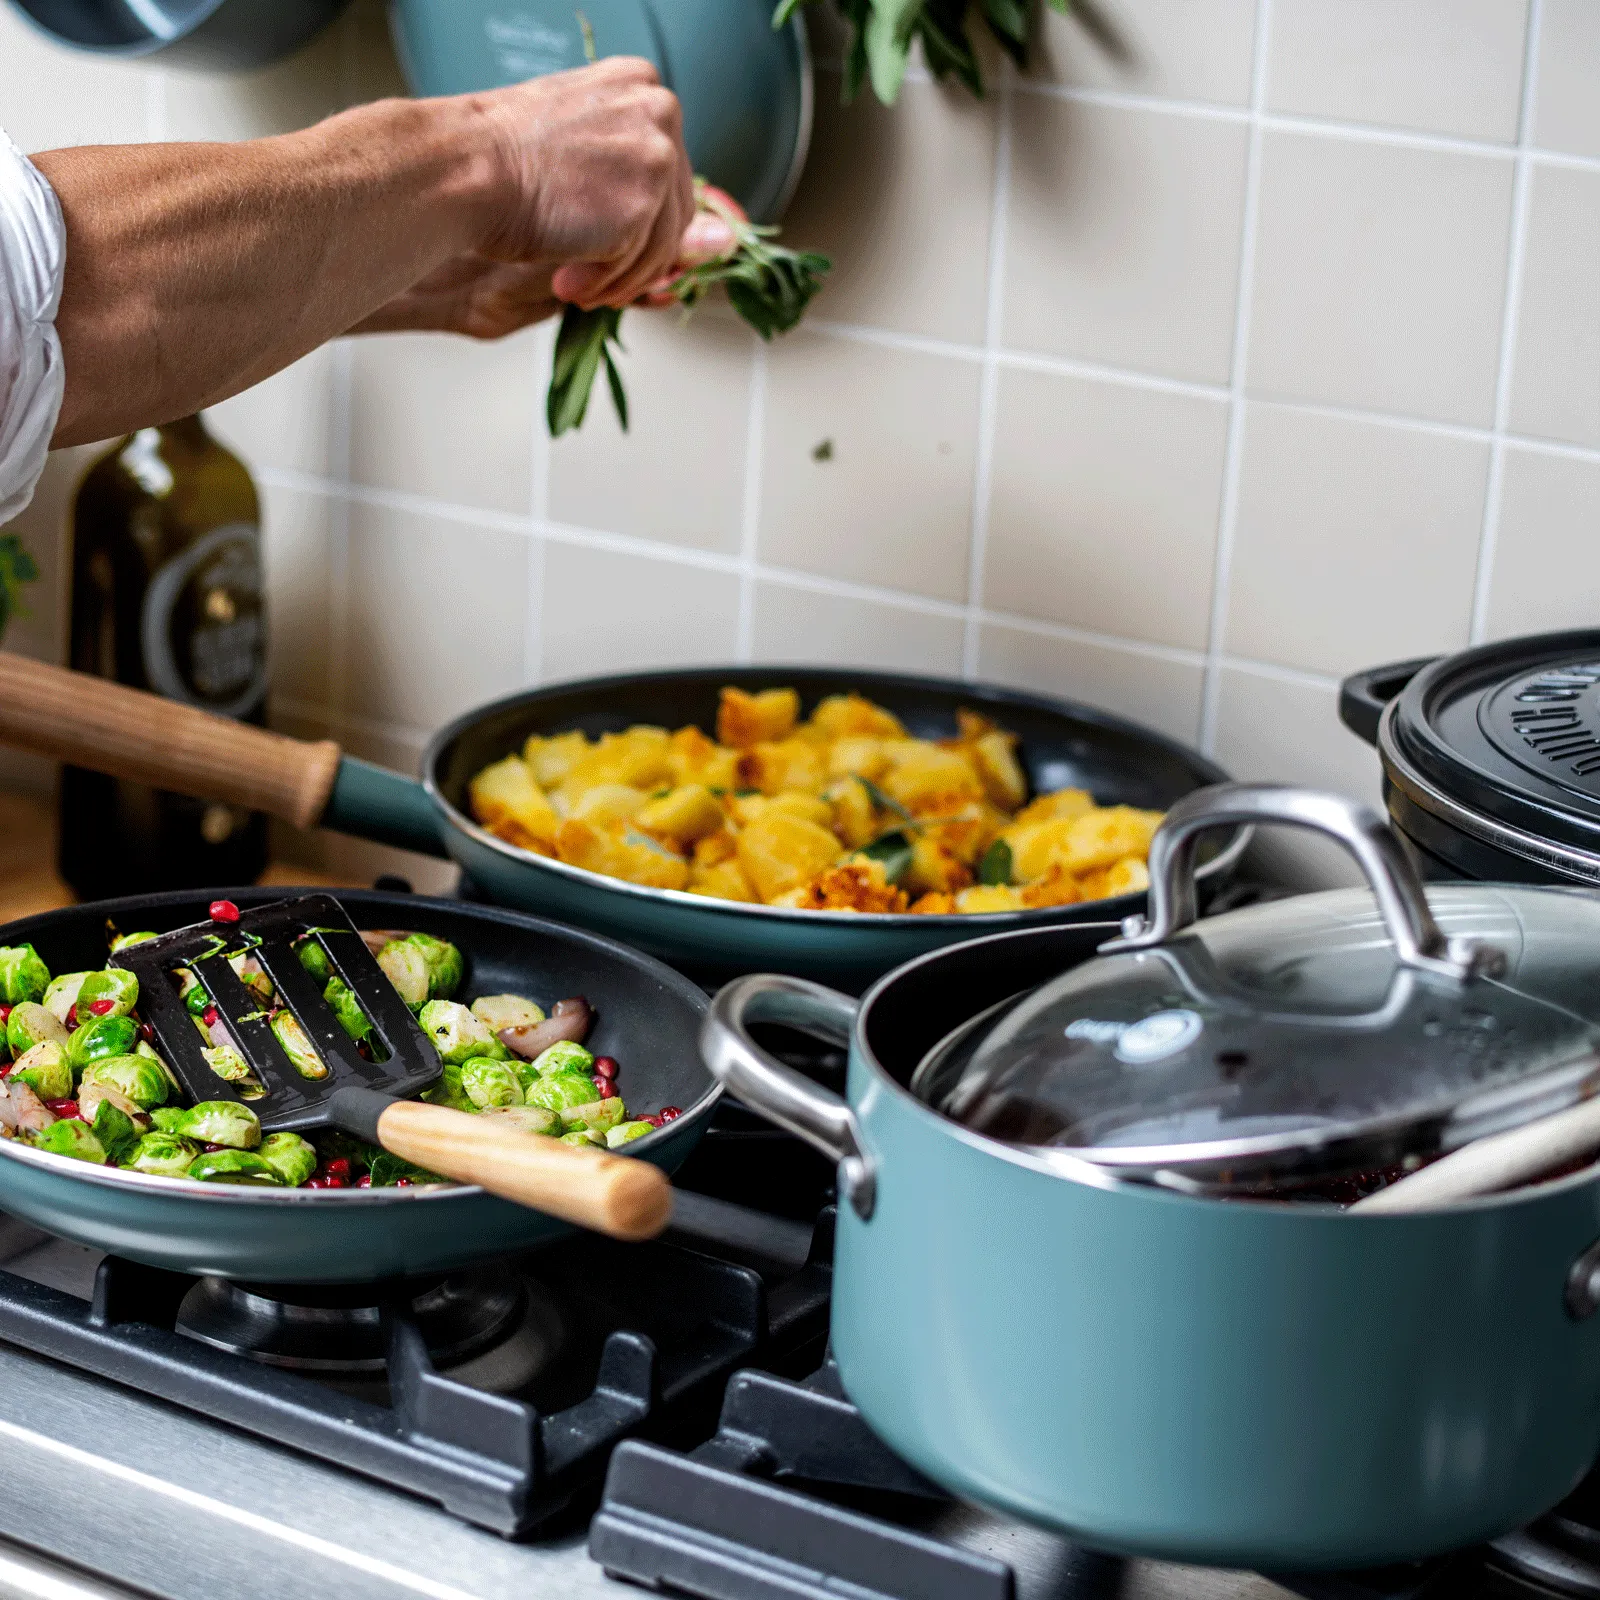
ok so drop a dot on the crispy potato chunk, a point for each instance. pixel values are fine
(934, 868)
(608, 802)
(1129, 876)
(773, 767)
(637, 758)
(1055, 888)
(723, 881)
(682, 815)
(848, 716)
(989, 897)
(716, 848)
(855, 819)
(619, 851)
(551, 760)
(860, 758)
(798, 804)
(696, 759)
(747, 719)
(851, 886)
(780, 851)
(934, 905)
(1080, 844)
(1064, 803)
(506, 800)
(1004, 782)
(925, 773)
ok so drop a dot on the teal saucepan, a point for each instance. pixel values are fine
(1073, 1327)
(745, 87)
(646, 1016)
(208, 34)
(86, 721)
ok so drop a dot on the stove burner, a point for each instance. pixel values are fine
(490, 1319)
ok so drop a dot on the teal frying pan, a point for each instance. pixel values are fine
(745, 88)
(84, 720)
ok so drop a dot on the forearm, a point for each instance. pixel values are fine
(195, 270)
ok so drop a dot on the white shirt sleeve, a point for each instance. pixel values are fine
(33, 249)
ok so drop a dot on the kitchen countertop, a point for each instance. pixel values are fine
(28, 881)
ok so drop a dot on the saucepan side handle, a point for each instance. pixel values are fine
(779, 1093)
(1418, 940)
(1364, 696)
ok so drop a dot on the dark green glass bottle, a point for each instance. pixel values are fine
(167, 596)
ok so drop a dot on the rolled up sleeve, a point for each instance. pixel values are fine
(32, 259)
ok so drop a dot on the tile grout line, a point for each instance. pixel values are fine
(1228, 510)
(988, 384)
(1521, 201)
(750, 502)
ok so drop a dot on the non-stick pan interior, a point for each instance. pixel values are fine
(1062, 745)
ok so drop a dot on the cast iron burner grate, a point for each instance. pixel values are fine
(653, 1332)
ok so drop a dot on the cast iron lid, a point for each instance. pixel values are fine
(1331, 1035)
(1511, 731)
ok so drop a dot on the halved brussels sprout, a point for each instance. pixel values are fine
(229, 1065)
(292, 1039)
(70, 1137)
(196, 997)
(587, 1140)
(118, 1124)
(314, 959)
(487, 1083)
(111, 984)
(290, 1156)
(163, 1154)
(23, 975)
(497, 1011)
(123, 940)
(168, 1119)
(250, 973)
(567, 1056)
(560, 1092)
(595, 1116)
(458, 1035)
(100, 1037)
(342, 1002)
(44, 1069)
(30, 1024)
(235, 1166)
(137, 1077)
(221, 1122)
(527, 1119)
(150, 1053)
(62, 995)
(626, 1133)
(448, 1091)
(445, 966)
(405, 966)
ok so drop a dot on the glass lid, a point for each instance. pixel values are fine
(1358, 1031)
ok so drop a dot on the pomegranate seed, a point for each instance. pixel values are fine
(223, 911)
(5, 1012)
(403, 1183)
(338, 1169)
(606, 1066)
(72, 1016)
(211, 1149)
(209, 1016)
(147, 1033)
(671, 1113)
(5, 1068)
(63, 1108)
(608, 1090)
(328, 1183)
(101, 1008)
(364, 1181)
(654, 1121)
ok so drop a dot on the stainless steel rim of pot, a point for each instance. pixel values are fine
(1546, 853)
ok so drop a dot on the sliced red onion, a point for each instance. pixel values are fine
(219, 1034)
(20, 1107)
(568, 1020)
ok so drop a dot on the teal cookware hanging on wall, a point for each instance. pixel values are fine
(745, 89)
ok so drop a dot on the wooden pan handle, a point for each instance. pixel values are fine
(126, 733)
(614, 1195)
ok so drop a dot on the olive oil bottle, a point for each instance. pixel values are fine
(166, 596)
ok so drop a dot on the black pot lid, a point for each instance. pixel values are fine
(1280, 1046)
(1511, 731)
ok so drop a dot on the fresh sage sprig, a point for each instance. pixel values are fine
(882, 33)
(17, 567)
(768, 285)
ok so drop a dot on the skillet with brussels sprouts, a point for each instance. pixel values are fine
(80, 1074)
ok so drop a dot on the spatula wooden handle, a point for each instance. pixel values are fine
(126, 733)
(615, 1195)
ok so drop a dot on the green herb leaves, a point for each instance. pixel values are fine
(582, 346)
(893, 850)
(883, 32)
(17, 567)
(769, 286)
(995, 867)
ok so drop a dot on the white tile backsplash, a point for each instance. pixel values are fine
(1018, 446)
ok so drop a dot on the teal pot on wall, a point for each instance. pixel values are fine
(745, 88)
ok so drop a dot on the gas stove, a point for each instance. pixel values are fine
(663, 1413)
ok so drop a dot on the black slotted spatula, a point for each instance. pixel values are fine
(611, 1194)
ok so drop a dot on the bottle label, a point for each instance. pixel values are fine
(202, 630)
